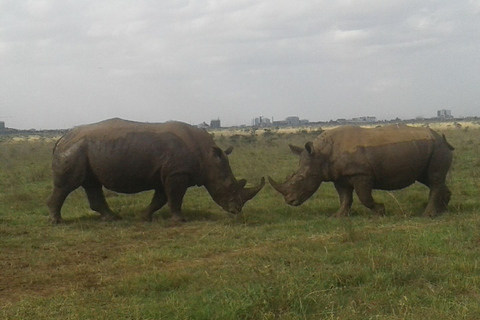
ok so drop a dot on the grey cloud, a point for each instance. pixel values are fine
(69, 62)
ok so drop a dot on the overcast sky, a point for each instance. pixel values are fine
(68, 62)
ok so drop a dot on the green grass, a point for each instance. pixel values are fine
(271, 262)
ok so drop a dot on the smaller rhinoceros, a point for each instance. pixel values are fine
(386, 158)
(130, 157)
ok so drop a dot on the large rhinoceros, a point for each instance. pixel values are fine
(386, 158)
(130, 157)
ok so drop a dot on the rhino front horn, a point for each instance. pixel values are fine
(277, 186)
(249, 193)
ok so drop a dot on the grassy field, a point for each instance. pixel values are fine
(271, 262)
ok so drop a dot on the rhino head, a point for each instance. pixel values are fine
(302, 184)
(228, 192)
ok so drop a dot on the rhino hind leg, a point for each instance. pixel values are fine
(98, 203)
(55, 202)
(158, 201)
(68, 174)
(437, 201)
(363, 188)
(63, 185)
(345, 193)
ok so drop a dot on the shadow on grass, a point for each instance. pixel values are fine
(132, 217)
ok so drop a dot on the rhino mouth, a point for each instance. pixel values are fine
(241, 196)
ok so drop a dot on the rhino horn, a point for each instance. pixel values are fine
(278, 186)
(229, 150)
(249, 193)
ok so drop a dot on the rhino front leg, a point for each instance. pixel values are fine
(98, 203)
(345, 193)
(158, 201)
(175, 188)
(363, 186)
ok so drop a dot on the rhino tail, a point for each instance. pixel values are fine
(446, 142)
(56, 144)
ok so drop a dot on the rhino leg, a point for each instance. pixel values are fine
(98, 203)
(345, 193)
(158, 201)
(175, 188)
(363, 186)
(447, 194)
(55, 202)
(435, 179)
(68, 174)
(63, 185)
(437, 201)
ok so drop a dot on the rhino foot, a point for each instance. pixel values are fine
(178, 218)
(111, 217)
(146, 216)
(379, 209)
(341, 214)
(56, 220)
(431, 213)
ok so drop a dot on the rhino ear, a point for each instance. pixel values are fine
(217, 152)
(295, 149)
(309, 147)
(229, 150)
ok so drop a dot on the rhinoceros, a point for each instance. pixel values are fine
(361, 159)
(131, 157)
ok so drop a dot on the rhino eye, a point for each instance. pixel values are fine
(229, 185)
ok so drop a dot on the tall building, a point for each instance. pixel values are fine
(261, 122)
(293, 121)
(444, 114)
(215, 124)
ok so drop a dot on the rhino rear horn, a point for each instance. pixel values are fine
(249, 193)
(241, 183)
(229, 150)
(296, 150)
(277, 186)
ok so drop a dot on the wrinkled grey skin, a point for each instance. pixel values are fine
(386, 158)
(131, 157)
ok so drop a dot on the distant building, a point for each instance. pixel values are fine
(261, 122)
(292, 121)
(2, 125)
(215, 124)
(444, 114)
(281, 123)
(203, 125)
(366, 119)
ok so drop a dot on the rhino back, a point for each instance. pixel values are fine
(396, 156)
(348, 138)
(130, 157)
(194, 138)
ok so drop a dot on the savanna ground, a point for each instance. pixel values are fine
(271, 262)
